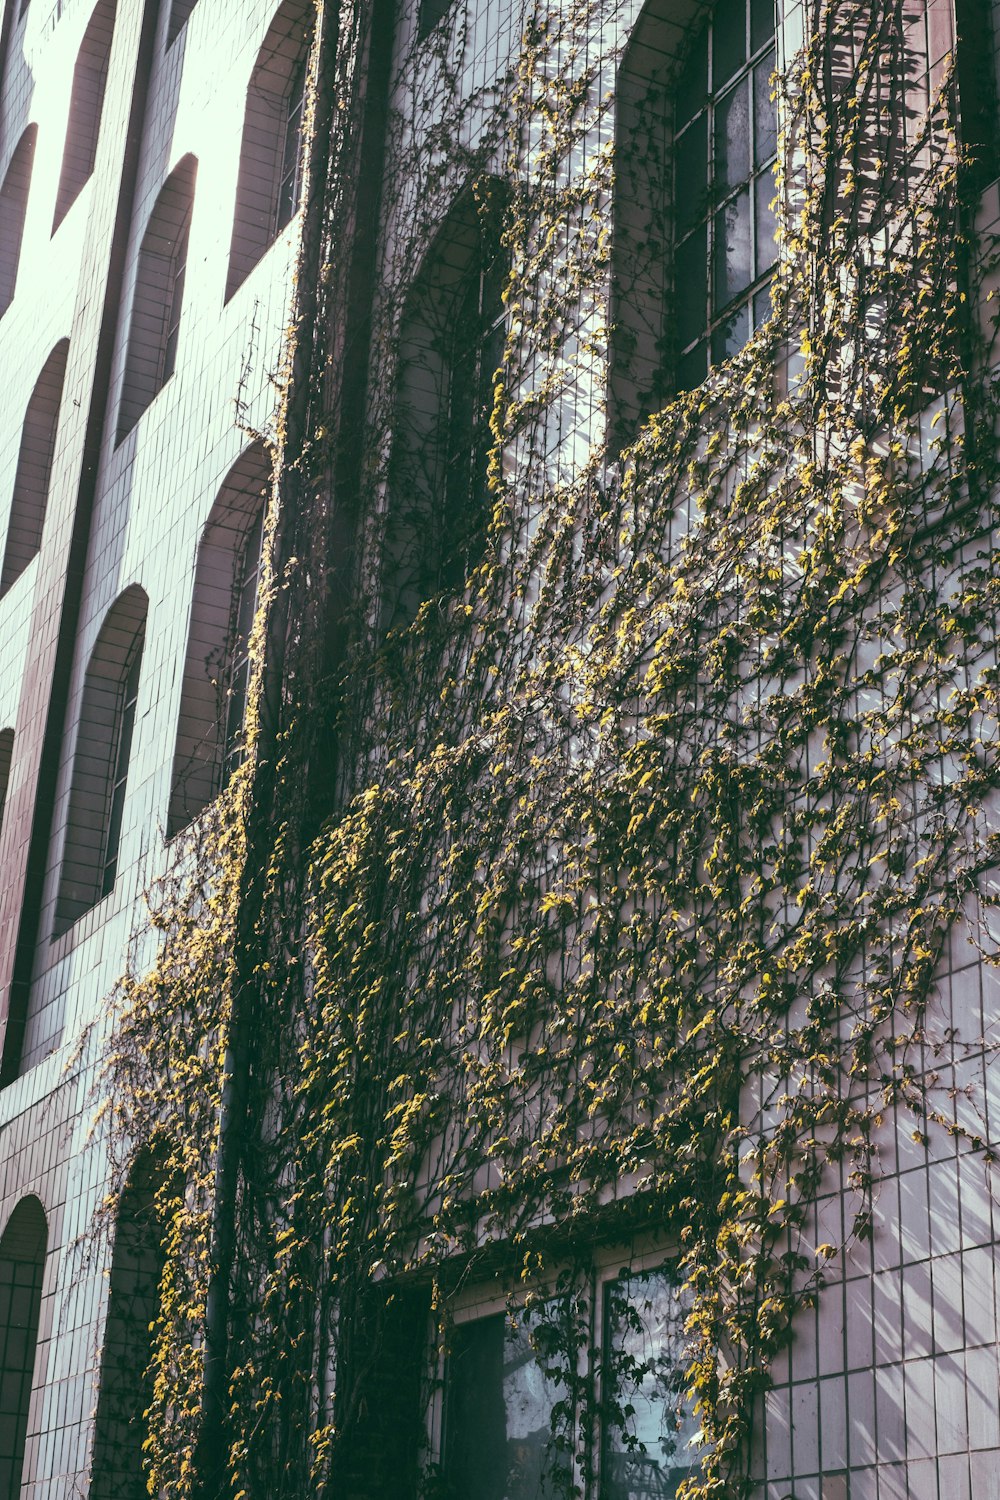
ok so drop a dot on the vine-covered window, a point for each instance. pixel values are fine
(238, 673)
(210, 738)
(693, 246)
(725, 139)
(451, 345)
(647, 1429)
(512, 1421)
(22, 1267)
(126, 1388)
(290, 178)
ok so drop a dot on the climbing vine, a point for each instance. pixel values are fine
(627, 906)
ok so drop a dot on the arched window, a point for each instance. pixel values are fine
(126, 1389)
(13, 207)
(22, 1263)
(267, 192)
(450, 346)
(694, 231)
(159, 296)
(101, 762)
(34, 468)
(6, 755)
(86, 104)
(216, 667)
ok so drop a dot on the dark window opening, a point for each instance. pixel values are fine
(13, 208)
(32, 477)
(22, 1265)
(290, 180)
(126, 1389)
(6, 755)
(975, 65)
(507, 1410)
(175, 301)
(451, 345)
(431, 12)
(247, 595)
(119, 775)
(210, 739)
(105, 737)
(158, 301)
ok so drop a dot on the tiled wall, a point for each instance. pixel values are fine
(891, 1387)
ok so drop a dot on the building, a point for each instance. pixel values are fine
(499, 747)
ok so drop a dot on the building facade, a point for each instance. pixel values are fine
(499, 749)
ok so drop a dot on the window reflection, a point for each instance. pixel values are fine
(649, 1428)
(504, 1380)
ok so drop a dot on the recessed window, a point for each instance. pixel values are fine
(29, 501)
(694, 229)
(976, 66)
(270, 176)
(451, 345)
(22, 1266)
(86, 105)
(725, 139)
(13, 208)
(126, 1389)
(180, 10)
(431, 12)
(210, 730)
(511, 1424)
(158, 302)
(6, 755)
(648, 1427)
(505, 1387)
(101, 764)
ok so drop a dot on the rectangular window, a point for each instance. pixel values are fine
(725, 143)
(512, 1428)
(648, 1428)
(504, 1384)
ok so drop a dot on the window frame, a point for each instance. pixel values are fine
(650, 1253)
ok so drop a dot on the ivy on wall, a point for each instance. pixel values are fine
(649, 841)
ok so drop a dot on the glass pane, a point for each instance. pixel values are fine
(692, 82)
(765, 114)
(767, 250)
(692, 369)
(691, 174)
(733, 269)
(648, 1427)
(691, 287)
(731, 334)
(732, 138)
(729, 40)
(761, 23)
(762, 305)
(499, 1402)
